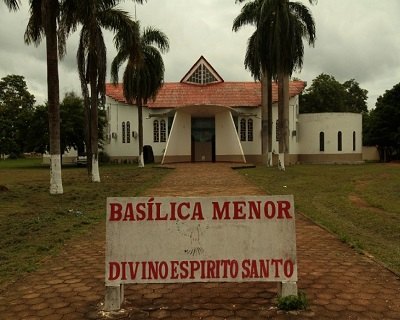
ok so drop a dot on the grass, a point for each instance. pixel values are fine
(359, 203)
(34, 224)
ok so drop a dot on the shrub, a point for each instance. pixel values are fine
(293, 302)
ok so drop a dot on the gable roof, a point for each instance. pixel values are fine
(202, 85)
(227, 94)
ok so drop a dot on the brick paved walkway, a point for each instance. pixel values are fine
(339, 283)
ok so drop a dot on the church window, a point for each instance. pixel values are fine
(354, 141)
(321, 141)
(246, 130)
(202, 76)
(123, 132)
(250, 130)
(156, 131)
(128, 132)
(163, 131)
(339, 137)
(243, 130)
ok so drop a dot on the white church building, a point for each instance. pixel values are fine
(203, 118)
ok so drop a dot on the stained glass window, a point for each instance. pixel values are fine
(243, 130)
(128, 132)
(156, 131)
(163, 131)
(250, 130)
(202, 75)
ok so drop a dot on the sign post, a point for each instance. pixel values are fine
(213, 239)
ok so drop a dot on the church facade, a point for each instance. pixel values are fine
(202, 118)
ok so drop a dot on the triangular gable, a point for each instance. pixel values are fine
(202, 73)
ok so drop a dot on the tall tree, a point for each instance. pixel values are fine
(16, 109)
(144, 72)
(383, 127)
(250, 14)
(43, 22)
(12, 5)
(326, 94)
(281, 27)
(93, 16)
(356, 98)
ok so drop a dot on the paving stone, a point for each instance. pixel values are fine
(202, 313)
(160, 314)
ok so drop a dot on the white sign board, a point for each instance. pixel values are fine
(213, 239)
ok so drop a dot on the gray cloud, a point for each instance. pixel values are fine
(355, 39)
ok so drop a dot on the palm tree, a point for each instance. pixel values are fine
(250, 14)
(93, 15)
(281, 26)
(288, 23)
(12, 5)
(43, 19)
(144, 72)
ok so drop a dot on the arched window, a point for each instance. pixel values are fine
(242, 130)
(321, 141)
(354, 141)
(156, 131)
(339, 141)
(163, 131)
(123, 132)
(128, 132)
(250, 130)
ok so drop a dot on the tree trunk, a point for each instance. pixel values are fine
(264, 119)
(286, 133)
(270, 121)
(140, 132)
(94, 133)
(56, 186)
(88, 136)
(283, 119)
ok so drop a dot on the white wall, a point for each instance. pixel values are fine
(227, 139)
(118, 113)
(180, 142)
(251, 147)
(310, 126)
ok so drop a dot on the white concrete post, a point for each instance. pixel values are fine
(114, 298)
(287, 289)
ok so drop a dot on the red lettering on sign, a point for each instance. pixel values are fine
(241, 210)
(238, 207)
(288, 268)
(218, 213)
(114, 271)
(283, 209)
(174, 269)
(115, 211)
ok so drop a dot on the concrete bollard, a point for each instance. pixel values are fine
(114, 298)
(287, 289)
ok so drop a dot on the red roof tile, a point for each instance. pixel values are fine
(229, 94)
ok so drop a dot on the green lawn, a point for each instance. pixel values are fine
(34, 224)
(359, 203)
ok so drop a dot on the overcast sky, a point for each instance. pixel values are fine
(357, 39)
